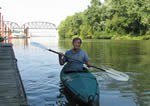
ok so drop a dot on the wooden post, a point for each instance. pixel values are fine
(2, 26)
(27, 30)
(5, 31)
(10, 31)
(24, 31)
(0, 23)
(10, 34)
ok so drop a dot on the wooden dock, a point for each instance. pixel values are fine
(12, 91)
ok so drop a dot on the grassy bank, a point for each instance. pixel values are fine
(147, 37)
(115, 37)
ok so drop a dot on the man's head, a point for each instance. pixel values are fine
(76, 42)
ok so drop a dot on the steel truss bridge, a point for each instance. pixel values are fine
(31, 25)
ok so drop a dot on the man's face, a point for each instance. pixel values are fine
(76, 44)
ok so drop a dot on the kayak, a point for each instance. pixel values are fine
(82, 86)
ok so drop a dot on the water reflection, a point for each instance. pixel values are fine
(40, 70)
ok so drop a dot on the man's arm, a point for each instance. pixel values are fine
(60, 58)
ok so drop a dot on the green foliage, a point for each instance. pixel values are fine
(102, 35)
(95, 3)
(147, 37)
(112, 18)
(70, 27)
(85, 31)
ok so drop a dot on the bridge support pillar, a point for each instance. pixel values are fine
(26, 30)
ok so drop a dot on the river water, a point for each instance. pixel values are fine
(40, 70)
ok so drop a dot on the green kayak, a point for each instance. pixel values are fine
(82, 86)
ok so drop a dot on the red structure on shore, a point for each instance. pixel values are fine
(0, 23)
(5, 31)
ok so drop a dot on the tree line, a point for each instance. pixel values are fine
(109, 20)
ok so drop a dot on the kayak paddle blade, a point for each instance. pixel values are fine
(39, 45)
(117, 75)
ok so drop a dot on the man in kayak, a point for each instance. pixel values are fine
(75, 53)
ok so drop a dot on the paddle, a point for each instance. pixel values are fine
(110, 72)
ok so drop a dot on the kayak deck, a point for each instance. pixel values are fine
(82, 85)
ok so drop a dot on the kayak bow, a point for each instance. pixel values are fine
(82, 86)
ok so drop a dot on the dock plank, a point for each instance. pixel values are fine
(12, 91)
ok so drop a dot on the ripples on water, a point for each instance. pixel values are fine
(40, 71)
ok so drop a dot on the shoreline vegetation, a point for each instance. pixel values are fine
(113, 19)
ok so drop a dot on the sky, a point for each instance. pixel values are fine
(53, 11)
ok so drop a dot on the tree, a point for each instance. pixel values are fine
(121, 17)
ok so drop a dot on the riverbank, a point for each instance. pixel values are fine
(146, 37)
(115, 37)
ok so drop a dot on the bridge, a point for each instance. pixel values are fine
(10, 24)
(9, 27)
(39, 25)
(31, 25)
